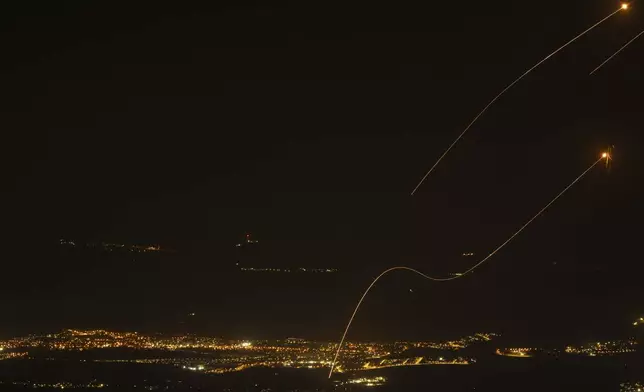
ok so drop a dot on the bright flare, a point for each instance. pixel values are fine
(624, 6)
(605, 155)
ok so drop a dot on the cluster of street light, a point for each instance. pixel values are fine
(517, 352)
(301, 269)
(613, 347)
(216, 355)
(457, 344)
(56, 385)
(12, 355)
(631, 387)
(112, 247)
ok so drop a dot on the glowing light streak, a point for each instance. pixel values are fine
(616, 53)
(621, 8)
(516, 233)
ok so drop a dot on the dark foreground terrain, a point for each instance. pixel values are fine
(500, 374)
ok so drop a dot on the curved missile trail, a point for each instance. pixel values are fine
(622, 8)
(616, 53)
(498, 248)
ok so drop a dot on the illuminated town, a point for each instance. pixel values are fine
(365, 381)
(291, 352)
(631, 387)
(57, 385)
(456, 344)
(516, 352)
(217, 356)
(593, 349)
(613, 347)
(110, 247)
(301, 269)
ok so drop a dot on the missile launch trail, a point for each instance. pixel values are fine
(605, 156)
(624, 7)
(616, 53)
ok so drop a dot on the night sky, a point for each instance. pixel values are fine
(308, 124)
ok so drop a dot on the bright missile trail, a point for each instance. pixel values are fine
(616, 53)
(623, 7)
(605, 156)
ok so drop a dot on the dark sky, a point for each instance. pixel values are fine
(308, 124)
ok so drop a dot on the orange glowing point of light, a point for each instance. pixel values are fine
(605, 155)
(624, 6)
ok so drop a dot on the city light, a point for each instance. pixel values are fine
(222, 356)
(522, 352)
(57, 385)
(609, 348)
(631, 387)
(368, 381)
(275, 269)
(239, 355)
(110, 247)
